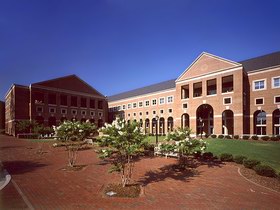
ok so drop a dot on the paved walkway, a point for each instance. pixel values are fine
(43, 185)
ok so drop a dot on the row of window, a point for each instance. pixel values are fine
(154, 112)
(40, 99)
(260, 101)
(52, 110)
(261, 84)
(146, 103)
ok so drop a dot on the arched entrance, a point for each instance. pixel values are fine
(100, 123)
(161, 125)
(52, 121)
(276, 122)
(141, 123)
(228, 122)
(204, 119)
(147, 126)
(154, 124)
(170, 124)
(260, 122)
(185, 121)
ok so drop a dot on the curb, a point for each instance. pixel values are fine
(5, 180)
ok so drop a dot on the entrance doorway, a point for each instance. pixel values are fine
(204, 120)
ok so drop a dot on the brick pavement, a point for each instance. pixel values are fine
(46, 186)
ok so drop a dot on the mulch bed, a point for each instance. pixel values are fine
(74, 168)
(129, 191)
(269, 182)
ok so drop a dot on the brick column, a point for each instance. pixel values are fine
(218, 123)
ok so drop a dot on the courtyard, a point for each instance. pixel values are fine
(39, 182)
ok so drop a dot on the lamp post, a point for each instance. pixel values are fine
(157, 117)
(201, 125)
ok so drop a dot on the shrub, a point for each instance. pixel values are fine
(228, 137)
(274, 138)
(236, 136)
(245, 137)
(239, 159)
(255, 137)
(207, 155)
(221, 136)
(226, 157)
(265, 138)
(265, 170)
(250, 163)
(213, 136)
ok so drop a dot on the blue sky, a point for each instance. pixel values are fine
(119, 45)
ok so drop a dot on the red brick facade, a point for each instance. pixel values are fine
(212, 96)
(53, 101)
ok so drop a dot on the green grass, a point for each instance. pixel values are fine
(266, 152)
(152, 139)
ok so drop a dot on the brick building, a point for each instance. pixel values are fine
(53, 101)
(213, 96)
(2, 115)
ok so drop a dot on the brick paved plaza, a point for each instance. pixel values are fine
(39, 183)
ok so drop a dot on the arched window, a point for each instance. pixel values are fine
(276, 122)
(260, 122)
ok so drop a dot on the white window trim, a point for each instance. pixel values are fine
(124, 107)
(83, 111)
(140, 113)
(162, 111)
(64, 110)
(152, 102)
(259, 98)
(230, 100)
(134, 114)
(155, 112)
(39, 107)
(100, 114)
(168, 101)
(139, 105)
(92, 113)
(147, 105)
(128, 106)
(265, 87)
(187, 105)
(171, 110)
(146, 113)
(53, 109)
(133, 105)
(272, 82)
(75, 111)
(163, 101)
(275, 100)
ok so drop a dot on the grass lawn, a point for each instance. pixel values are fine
(152, 139)
(267, 152)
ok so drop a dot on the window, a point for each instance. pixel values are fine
(185, 93)
(134, 105)
(100, 114)
(227, 84)
(259, 101)
(276, 99)
(161, 100)
(92, 103)
(52, 110)
(147, 113)
(52, 98)
(154, 112)
(63, 111)
(170, 110)
(147, 103)
(197, 89)
(276, 82)
(74, 111)
(83, 112)
(134, 114)
(259, 85)
(83, 102)
(100, 105)
(128, 115)
(123, 107)
(128, 106)
(140, 104)
(140, 113)
(63, 100)
(154, 102)
(211, 87)
(227, 100)
(161, 111)
(39, 109)
(74, 101)
(92, 113)
(170, 99)
(185, 106)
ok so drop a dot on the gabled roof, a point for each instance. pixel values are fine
(70, 82)
(144, 90)
(269, 60)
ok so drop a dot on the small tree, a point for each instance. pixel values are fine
(123, 141)
(179, 134)
(73, 134)
(26, 126)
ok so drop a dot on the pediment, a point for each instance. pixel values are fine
(204, 64)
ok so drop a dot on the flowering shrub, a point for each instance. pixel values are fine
(179, 134)
(123, 142)
(73, 133)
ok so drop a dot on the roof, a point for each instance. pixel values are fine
(269, 60)
(144, 90)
